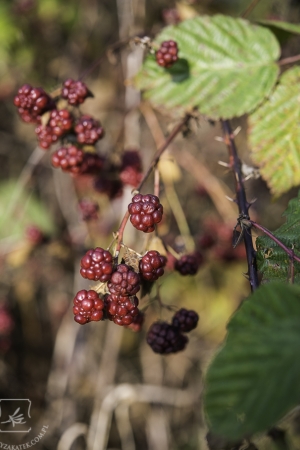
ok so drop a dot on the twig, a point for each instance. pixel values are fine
(289, 60)
(250, 8)
(156, 182)
(176, 130)
(241, 200)
(287, 250)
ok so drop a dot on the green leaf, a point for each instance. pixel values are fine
(254, 380)
(226, 67)
(272, 261)
(285, 26)
(275, 135)
(19, 209)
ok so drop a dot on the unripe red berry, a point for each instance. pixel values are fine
(97, 265)
(145, 211)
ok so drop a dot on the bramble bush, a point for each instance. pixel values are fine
(212, 68)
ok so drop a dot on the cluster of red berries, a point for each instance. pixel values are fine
(167, 54)
(165, 338)
(88, 209)
(53, 125)
(120, 304)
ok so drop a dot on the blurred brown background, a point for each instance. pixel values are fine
(100, 383)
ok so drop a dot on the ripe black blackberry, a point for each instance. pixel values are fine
(167, 54)
(186, 320)
(145, 211)
(88, 209)
(131, 168)
(87, 307)
(151, 265)
(88, 130)
(189, 264)
(164, 338)
(112, 187)
(124, 281)
(69, 159)
(75, 92)
(32, 103)
(97, 264)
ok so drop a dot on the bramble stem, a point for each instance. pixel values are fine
(156, 158)
(176, 130)
(287, 250)
(250, 8)
(242, 202)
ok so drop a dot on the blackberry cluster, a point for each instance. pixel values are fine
(152, 265)
(87, 307)
(75, 92)
(88, 130)
(124, 281)
(88, 209)
(32, 103)
(164, 338)
(122, 310)
(131, 168)
(69, 159)
(60, 122)
(189, 264)
(97, 264)
(185, 320)
(167, 54)
(145, 211)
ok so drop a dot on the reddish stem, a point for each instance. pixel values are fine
(287, 250)
(121, 232)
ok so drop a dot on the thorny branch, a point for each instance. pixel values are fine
(241, 201)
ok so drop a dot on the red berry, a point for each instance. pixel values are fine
(69, 159)
(92, 164)
(145, 211)
(88, 209)
(113, 188)
(167, 54)
(185, 320)
(60, 122)
(151, 265)
(131, 168)
(97, 265)
(124, 281)
(164, 338)
(32, 103)
(189, 264)
(34, 234)
(88, 130)
(87, 307)
(75, 92)
(137, 323)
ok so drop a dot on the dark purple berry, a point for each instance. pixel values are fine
(151, 265)
(145, 211)
(88, 209)
(131, 168)
(185, 320)
(167, 54)
(188, 264)
(97, 265)
(164, 338)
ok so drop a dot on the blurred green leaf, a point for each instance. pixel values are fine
(286, 26)
(254, 380)
(19, 209)
(272, 260)
(275, 135)
(226, 67)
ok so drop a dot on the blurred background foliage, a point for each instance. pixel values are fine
(67, 370)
